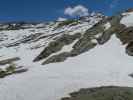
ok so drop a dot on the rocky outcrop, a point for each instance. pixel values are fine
(57, 45)
(99, 34)
(102, 93)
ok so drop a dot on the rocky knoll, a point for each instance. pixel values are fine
(102, 93)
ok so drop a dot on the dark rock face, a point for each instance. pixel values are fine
(126, 35)
(102, 93)
(131, 75)
(129, 49)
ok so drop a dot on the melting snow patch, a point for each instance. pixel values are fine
(107, 26)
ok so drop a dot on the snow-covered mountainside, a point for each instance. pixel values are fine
(21, 43)
(92, 51)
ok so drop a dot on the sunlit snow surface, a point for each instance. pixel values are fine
(104, 65)
(127, 20)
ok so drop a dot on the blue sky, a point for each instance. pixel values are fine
(44, 10)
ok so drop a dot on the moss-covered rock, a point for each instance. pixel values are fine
(102, 93)
(57, 45)
(57, 58)
(11, 68)
(2, 73)
(83, 45)
(68, 22)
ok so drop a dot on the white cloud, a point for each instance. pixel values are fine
(78, 10)
(61, 19)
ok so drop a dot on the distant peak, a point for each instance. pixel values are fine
(129, 10)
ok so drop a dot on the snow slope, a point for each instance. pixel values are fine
(106, 64)
(103, 65)
(127, 20)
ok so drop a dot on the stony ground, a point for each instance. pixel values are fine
(102, 93)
